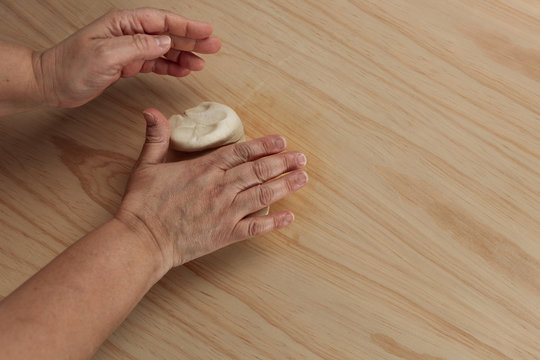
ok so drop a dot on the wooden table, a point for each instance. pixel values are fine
(418, 236)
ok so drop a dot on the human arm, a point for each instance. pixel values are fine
(68, 309)
(19, 89)
(119, 44)
(171, 213)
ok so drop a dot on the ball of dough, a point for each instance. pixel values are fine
(206, 126)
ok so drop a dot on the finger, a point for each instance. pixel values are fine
(185, 59)
(123, 50)
(132, 69)
(258, 197)
(255, 226)
(159, 66)
(157, 138)
(156, 21)
(267, 168)
(230, 156)
(164, 67)
(204, 46)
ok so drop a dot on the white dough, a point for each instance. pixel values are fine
(206, 126)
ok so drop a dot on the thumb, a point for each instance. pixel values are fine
(157, 138)
(131, 48)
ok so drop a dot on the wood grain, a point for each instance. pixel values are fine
(418, 235)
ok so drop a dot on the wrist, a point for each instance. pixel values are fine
(44, 74)
(22, 86)
(139, 231)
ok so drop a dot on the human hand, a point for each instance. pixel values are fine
(121, 44)
(193, 207)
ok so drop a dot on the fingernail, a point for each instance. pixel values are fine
(288, 218)
(301, 178)
(163, 41)
(280, 142)
(301, 159)
(150, 119)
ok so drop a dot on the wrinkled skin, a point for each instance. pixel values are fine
(193, 207)
(120, 44)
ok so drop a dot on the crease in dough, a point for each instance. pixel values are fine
(209, 125)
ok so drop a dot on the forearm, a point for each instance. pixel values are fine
(19, 79)
(72, 305)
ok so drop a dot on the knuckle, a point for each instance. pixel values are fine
(101, 50)
(290, 185)
(208, 161)
(255, 228)
(289, 160)
(242, 151)
(266, 145)
(218, 159)
(265, 195)
(104, 56)
(141, 42)
(146, 14)
(261, 171)
(277, 222)
(150, 139)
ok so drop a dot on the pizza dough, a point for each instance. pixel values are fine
(207, 126)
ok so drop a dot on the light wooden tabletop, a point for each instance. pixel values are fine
(418, 236)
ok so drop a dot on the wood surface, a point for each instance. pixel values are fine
(418, 234)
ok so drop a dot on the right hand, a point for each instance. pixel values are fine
(121, 44)
(193, 207)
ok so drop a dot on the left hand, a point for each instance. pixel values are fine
(121, 44)
(193, 207)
